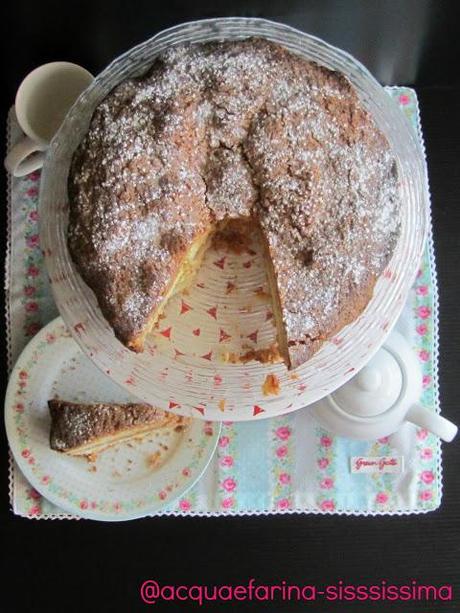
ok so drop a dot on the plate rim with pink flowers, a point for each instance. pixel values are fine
(162, 487)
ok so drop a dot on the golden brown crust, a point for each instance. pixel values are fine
(235, 130)
(75, 426)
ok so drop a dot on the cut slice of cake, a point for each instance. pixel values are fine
(86, 429)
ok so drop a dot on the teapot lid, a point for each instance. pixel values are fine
(375, 389)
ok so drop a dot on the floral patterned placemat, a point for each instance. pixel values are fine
(279, 465)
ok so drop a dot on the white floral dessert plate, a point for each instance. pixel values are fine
(129, 480)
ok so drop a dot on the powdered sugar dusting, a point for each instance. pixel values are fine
(74, 425)
(235, 129)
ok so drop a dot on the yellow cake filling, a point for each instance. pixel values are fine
(188, 269)
(103, 442)
(95, 447)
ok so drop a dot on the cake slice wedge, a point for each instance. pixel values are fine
(86, 429)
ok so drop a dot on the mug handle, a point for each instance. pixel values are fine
(433, 422)
(25, 157)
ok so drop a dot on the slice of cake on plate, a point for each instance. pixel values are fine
(87, 429)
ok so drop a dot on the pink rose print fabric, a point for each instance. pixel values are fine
(282, 451)
(281, 465)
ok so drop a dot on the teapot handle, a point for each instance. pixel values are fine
(433, 422)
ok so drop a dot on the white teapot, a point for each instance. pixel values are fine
(381, 397)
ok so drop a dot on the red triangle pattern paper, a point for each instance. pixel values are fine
(217, 380)
(79, 328)
(220, 263)
(257, 410)
(166, 333)
(185, 308)
(224, 336)
(223, 315)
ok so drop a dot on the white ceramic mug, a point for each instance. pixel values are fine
(42, 101)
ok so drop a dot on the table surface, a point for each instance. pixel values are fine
(74, 566)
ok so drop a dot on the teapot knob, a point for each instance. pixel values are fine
(369, 379)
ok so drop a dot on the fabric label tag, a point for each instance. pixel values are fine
(377, 464)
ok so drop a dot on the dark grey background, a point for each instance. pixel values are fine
(84, 566)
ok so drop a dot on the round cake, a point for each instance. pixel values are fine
(232, 138)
